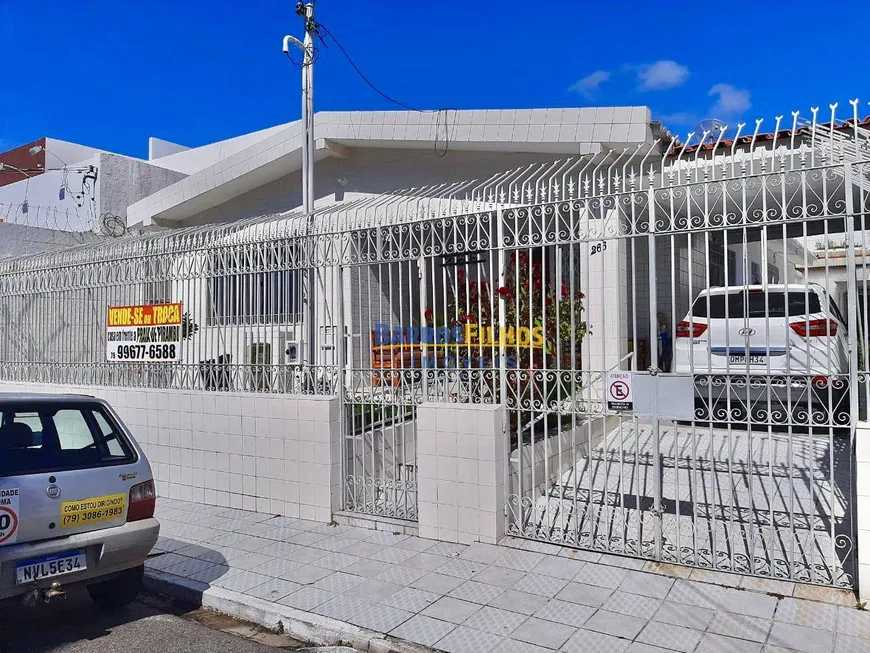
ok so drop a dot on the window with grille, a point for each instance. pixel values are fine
(158, 292)
(254, 286)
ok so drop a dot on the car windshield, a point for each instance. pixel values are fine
(59, 436)
(754, 303)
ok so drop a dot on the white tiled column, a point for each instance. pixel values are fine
(319, 458)
(461, 469)
(862, 473)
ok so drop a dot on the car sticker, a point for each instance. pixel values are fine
(92, 510)
(8, 515)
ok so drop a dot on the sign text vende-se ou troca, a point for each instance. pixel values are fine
(147, 333)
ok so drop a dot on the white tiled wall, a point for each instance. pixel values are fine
(862, 473)
(461, 467)
(271, 453)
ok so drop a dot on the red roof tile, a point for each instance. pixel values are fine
(782, 134)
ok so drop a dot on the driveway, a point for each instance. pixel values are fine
(769, 503)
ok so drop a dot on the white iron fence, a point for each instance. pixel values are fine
(725, 277)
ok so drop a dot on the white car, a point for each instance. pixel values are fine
(76, 500)
(786, 342)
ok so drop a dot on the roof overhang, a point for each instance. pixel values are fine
(544, 131)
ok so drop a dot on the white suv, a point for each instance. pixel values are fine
(76, 500)
(787, 342)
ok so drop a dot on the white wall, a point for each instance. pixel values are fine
(60, 153)
(21, 240)
(42, 192)
(45, 208)
(461, 461)
(158, 148)
(602, 280)
(278, 454)
(367, 171)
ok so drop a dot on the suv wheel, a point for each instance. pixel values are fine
(119, 591)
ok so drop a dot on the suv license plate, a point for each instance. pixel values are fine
(58, 564)
(753, 360)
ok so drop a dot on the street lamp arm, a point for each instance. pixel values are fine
(292, 39)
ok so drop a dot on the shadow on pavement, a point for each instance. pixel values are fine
(49, 627)
(53, 626)
(193, 566)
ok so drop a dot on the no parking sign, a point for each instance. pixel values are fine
(618, 389)
(8, 515)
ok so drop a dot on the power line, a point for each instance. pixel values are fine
(440, 152)
(362, 75)
(10, 169)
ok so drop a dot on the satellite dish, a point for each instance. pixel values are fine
(713, 126)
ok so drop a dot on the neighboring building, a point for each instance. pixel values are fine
(827, 267)
(67, 187)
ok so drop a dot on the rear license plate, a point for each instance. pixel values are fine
(753, 360)
(58, 564)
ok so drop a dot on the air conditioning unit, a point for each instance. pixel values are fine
(293, 352)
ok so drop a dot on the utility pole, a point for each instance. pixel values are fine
(306, 12)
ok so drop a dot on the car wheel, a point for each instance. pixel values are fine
(119, 591)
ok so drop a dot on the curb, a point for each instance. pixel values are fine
(304, 626)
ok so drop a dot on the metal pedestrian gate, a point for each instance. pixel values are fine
(380, 429)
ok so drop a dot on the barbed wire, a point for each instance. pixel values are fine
(78, 215)
(45, 217)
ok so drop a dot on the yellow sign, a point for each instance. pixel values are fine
(524, 337)
(149, 333)
(463, 335)
(89, 511)
(144, 315)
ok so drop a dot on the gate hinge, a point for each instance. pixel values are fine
(505, 510)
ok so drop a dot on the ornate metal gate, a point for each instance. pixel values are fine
(380, 429)
(727, 282)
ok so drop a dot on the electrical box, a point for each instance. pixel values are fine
(293, 352)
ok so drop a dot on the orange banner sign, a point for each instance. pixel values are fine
(144, 315)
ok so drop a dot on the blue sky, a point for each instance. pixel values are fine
(110, 74)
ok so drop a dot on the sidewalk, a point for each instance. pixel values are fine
(386, 592)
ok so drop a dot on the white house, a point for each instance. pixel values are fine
(364, 156)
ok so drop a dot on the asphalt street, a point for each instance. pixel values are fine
(150, 625)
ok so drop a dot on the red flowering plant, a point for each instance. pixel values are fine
(535, 296)
(541, 333)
